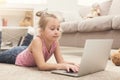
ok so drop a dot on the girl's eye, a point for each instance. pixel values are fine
(52, 29)
(58, 29)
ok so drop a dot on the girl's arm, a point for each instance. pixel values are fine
(36, 49)
(60, 60)
(58, 56)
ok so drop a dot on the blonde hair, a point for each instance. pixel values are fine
(44, 18)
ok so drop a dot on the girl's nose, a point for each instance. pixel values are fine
(56, 31)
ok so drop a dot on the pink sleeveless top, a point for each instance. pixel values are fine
(25, 58)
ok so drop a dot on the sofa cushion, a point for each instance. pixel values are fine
(115, 8)
(69, 27)
(116, 22)
(102, 23)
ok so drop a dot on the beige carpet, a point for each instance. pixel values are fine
(12, 72)
(72, 51)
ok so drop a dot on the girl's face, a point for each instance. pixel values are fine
(52, 29)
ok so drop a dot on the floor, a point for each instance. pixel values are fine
(77, 50)
(72, 50)
(12, 72)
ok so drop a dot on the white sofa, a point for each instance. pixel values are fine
(106, 26)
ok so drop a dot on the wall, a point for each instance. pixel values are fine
(63, 5)
(53, 5)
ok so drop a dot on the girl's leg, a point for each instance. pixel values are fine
(9, 56)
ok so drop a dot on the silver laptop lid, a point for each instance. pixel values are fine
(95, 56)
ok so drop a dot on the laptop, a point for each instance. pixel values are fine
(94, 59)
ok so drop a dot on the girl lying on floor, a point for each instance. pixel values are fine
(41, 48)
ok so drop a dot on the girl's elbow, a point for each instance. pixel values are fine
(42, 67)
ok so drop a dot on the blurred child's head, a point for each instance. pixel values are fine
(49, 25)
(44, 18)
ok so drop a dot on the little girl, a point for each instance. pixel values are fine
(42, 47)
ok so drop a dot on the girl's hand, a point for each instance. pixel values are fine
(72, 63)
(67, 67)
